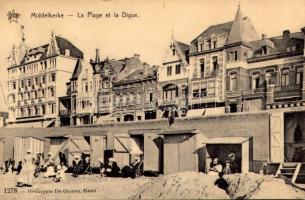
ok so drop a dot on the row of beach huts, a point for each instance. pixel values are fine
(162, 151)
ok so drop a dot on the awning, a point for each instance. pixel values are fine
(134, 147)
(227, 140)
(179, 131)
(80, 145)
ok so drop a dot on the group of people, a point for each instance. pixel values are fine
(32, 166)
(111, 169)
(232, 165)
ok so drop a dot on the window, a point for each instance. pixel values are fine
(264, 50)
(150, 97)
(52, 92)
(233, 82)
(36, 80)
(174, 51)
(169, 70)
(298, 47)
(209, 44)
(200, 46)
(22, 112)
(42, 94)
(29, 82)
(43, 108)
(196, 93)
(285, 78)
(255, 81)
(203, 92)
(214, 44)
(14, 85)
(202, 68)
(29, 112)
(53, 77)
(235, 55)
(43, 79)
(86, 86)
(215, 63)
(178, 69)
(299, 78)
(36, 110)
(67, 52)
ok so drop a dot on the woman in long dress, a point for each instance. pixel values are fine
(49, 165)
(26, 175)
(216, 167)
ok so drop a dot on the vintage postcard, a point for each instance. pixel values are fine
(143, 99)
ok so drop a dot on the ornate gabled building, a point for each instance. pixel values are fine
(266, 74)
(135, 95)
(215, 50)
(173, 79)
(207, 68)
(35, 81)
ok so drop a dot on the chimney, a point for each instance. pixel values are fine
(97, 56)
(286, 36)
(145, 69)
(136, 55)
(264, 36)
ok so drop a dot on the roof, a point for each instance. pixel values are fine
(77, 70)
(62, 44)
(138, 75)
(227, 140)
(242, 30)
(182, 51)
(276, 44)
(216, 29)
(178, 131)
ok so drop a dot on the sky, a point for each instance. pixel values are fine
(148, 35)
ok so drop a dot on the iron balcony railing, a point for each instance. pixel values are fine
(289, 91)
(287, 88)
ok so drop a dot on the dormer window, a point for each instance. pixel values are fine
(200, 46)
(209, 44)
(214, 44)
(174, 51)
(264, 50)
(67, 52)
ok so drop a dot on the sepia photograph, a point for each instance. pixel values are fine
(152, 99)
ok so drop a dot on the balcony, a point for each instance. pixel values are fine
(168, 102)
(288, 92)
(248, 92)
(104, 109)
(150, 105)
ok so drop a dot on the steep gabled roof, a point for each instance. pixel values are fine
(216, 29)
(130, 65)
(182, 51)
(77, 70)
(66, 44)
(242, 30)
(138, 75)
(62, 44)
